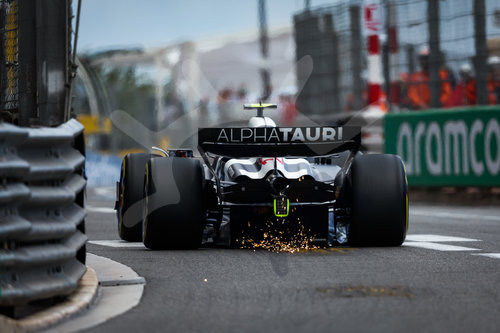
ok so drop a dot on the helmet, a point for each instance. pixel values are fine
(424, 50)
(261, 122)
(493, 61)
(466, 69)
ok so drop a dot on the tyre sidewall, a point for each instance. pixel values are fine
(174, 204)
(379, 211)
(131, 188)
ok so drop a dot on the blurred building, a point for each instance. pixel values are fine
(233, 61)
(204, 82)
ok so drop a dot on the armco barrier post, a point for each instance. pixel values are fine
(27, 62)
(459, 147)
(52, 43)
(355, 52)
(480, 67)
(435, 57)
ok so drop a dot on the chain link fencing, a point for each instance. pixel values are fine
(10, 64)
(36, 68)
(444, 53)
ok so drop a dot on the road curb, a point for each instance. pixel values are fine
(79, 300)
(120, 289)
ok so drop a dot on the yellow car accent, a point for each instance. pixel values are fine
(406, 194)
(146, 203)
(11, 47)
(287, 209)
(122, 195)
(259, 105)
(93, 124)
(406, 211)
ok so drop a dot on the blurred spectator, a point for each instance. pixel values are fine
(449, 73)
(349, 105)
(223, 105)
(494, 79)
(418, 90)
(404, 100)
(382, 103)
(203, 107)
(242, 93)
(288, 109)
(465, 91)
(224, 95)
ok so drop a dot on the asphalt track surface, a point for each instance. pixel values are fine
(445, 278)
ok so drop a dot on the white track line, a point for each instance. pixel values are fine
(424, 241)
(438, 238)
(432, 242)
(489, 255)
(105, 190)
(101, 209)
(118, 243)
(439, 247)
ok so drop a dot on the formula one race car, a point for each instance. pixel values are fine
(264, 182)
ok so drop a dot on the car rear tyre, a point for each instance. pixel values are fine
(379, 212)
(173, 208)
(130, 194)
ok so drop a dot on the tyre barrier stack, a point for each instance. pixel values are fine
(42, 214)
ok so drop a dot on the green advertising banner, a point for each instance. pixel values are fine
(455, 147)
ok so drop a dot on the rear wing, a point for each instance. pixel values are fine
(246, 142)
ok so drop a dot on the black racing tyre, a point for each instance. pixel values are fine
(130, 194)
(379, 211)
(173, 209)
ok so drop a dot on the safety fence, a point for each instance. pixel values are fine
(36, 67)
(42, 214)
(458, 147)
(10, 52)
(428, 54)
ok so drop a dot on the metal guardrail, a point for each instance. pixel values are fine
(42, 184)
